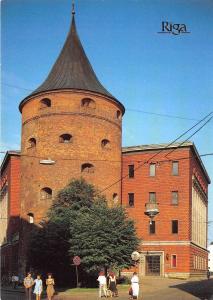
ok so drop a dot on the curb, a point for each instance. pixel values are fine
(12, 290)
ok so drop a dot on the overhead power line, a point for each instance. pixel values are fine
(127, 109)
(150, 159)
(190, 136)
(108, 160)
(159, 114)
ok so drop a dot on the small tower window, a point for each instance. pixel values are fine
(152, 227)
(118, 115)
(30, 218)
(105, 144)
(88, 103)
(45, 103)
(87, 168)
(46, 193)
(131, 199)
(65, 138)
(32, 142)
(115, 197)
(131, 170)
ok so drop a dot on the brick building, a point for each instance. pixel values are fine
(174, 185)
(71, 127)
(10, 212)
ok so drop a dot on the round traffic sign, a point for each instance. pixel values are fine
(76, 260)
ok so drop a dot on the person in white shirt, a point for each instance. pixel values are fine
(102, 284)
(135, 286)
(15, 281)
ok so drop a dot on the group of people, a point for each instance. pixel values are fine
(109, 287)
(29, 282)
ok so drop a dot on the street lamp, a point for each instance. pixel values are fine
(135, 257)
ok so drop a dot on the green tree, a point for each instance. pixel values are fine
(81, 223)
(103, 237)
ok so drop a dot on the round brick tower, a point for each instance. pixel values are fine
(71, 127)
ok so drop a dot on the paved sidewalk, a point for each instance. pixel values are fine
(150, 289)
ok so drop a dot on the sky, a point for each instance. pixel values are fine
(165, 81)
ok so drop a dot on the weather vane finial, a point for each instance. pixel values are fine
(73, 7)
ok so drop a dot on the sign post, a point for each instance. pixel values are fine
(77, 261)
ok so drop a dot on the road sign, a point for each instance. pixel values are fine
(76, 260)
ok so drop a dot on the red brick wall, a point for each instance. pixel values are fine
(10, 251)
(15, 186)
(88, 127)
(163, 184)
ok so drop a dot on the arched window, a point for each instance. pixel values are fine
(65, 138)
(118, 115)
(30, 218)
(46, 102)
(32, 142)
(46, 193)
(105, 144)
(88, 103)
(87, 168)
(115, 197)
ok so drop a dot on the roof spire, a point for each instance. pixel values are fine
(72, 69)
(73, 7)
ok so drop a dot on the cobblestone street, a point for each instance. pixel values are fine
(151, 288)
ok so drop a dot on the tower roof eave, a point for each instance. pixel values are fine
(73, 89)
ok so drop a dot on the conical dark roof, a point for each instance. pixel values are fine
(72, 70)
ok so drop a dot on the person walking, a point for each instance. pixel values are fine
(15, 281)
(50, 286)
(135, 286)
(38, 287)
(28, 283)
(112, 284)
(102, 284)
(208, 274)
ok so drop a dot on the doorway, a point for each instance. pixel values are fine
(153, 265)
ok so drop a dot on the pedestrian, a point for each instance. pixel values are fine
(208, 274)
(112, 284)
(102, 284)
(38, 287)
(50, 282)
(135, 286)
(28, 283)
(15, 281)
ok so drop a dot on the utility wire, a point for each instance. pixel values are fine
(123, 177)
(119, 161)
(158, 114)
(127, 109)
(189, 136)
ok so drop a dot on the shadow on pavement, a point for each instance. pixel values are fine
(202, 289)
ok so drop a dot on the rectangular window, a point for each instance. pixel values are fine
(152, 227)
(174, 260)
(131, 171)
(174, 226)
(175, 168)
(175, 198)
(131, 199)
(152, 197)
(152, 169)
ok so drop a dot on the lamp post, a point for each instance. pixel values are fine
(135, 257)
